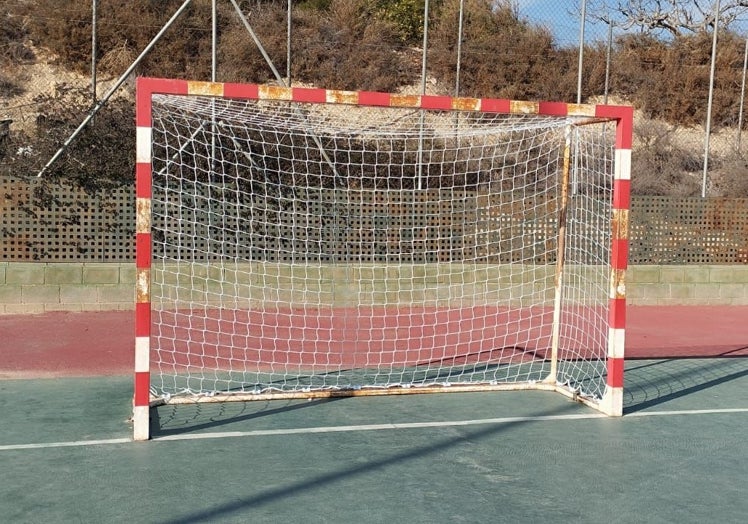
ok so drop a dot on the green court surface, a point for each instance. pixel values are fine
(679, 454)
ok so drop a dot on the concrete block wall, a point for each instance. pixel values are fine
(27, 287)
(707, 285)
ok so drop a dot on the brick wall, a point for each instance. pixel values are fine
(27, 287)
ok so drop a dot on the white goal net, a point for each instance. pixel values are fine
(308, 249)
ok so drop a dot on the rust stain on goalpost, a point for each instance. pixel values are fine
(205, 88)
(524, 108)
(405, 100)
(143, 286)
(466, 104)
(583, 110)
(270, 92)
(618, 283)
(621, 224)
(342, 97)
(143, 219)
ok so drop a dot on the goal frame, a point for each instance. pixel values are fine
(621, 116)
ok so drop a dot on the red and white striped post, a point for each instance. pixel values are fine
(143, 258)
(612, 403)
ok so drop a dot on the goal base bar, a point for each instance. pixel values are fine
(607, 406)
(599, 405)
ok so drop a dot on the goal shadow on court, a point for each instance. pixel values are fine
(177, 419)
(649, 383)
(181, 418)
(334, 475)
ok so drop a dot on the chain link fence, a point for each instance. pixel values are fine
(49, 85)
(53, 80)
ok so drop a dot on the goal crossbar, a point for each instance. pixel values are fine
(314, 243)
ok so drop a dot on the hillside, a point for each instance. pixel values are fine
(45, 76)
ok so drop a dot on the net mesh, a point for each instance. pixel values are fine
(304, 247)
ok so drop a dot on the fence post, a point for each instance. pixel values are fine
(708, 130)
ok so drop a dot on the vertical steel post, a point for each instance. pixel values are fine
(288, 46)
(213, 71)
(94, 48)
(419, 181)
(459, 48)
(580, 65)
(742, 98)
(213, 41)
(608, 53)
(708, 130)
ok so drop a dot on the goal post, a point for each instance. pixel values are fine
(311, 243)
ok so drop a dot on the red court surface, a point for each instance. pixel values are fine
(101, 343)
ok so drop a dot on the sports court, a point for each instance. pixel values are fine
(677, 455)
(325, 253)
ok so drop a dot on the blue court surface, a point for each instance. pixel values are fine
(679, 454)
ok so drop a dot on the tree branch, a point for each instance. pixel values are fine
(675, 17)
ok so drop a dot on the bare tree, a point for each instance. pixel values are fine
(675, 17)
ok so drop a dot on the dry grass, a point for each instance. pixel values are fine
(355, 44)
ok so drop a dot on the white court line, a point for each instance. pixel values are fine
(369, 427)
(70, 444)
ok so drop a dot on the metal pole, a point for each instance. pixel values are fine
(607, 60)
(459, 48)
(101, 103)
(213, 70)
(94, 49)
(288, 46)
(425, 45)
(708, 130)
(582, 23)
(214, 42)
(742, 97)
(580, 67)
(423, 91)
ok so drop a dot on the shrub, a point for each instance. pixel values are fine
(670, 80)
(503, 55)
(732, 179)
(661, 165)
(100, 158)
(345, 47)
(13, 50)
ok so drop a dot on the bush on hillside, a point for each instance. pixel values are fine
(14, 49)
(661, 166)
(366, 44)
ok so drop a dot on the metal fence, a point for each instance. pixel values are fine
(61, 223)
(55, 90)
(667, 230)
(73, 225)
